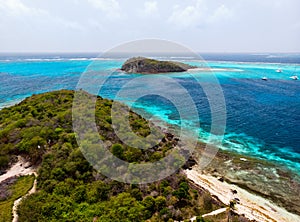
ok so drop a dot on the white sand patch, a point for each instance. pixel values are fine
(18, 169)
(207, 69)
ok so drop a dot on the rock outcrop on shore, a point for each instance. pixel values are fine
(151, 66)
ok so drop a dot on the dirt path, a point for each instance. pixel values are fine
(216, 212)
(213, 213)
(21, 168)
(18, 201)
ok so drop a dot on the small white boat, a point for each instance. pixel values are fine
(264, 78)
(294, 77)
(279, 70)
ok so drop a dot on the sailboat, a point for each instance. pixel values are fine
(294, 77)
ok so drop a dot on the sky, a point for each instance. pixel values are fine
(99, 25)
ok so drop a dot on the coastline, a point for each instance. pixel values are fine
(265, 181)
(208, 69)
(233, 168)
(265, 187)
(247, 204)
(10, 103)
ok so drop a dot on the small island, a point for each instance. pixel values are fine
(151, 66)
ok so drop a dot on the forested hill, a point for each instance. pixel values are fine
(152, 66)
(69, 189)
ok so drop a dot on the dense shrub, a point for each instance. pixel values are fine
(69, 189)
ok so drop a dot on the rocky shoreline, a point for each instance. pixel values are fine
(277, 186)
(258, 177)
(240, 201)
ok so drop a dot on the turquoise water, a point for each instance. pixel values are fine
(262, 116)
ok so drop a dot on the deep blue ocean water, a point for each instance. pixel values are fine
(262, 116)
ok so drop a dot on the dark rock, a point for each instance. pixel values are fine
(221, 179)
(237, 200)
(169, 136)
(164, 140)
(189, 164)
(234, 191)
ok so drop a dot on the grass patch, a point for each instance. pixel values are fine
(18, 189)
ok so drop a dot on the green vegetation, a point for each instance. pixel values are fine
(145, 65)
(69, 189)
(14, 190)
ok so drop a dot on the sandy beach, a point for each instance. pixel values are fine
(251, 206)
(208, 69)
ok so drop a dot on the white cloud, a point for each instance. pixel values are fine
(110, 7)
(16, 11)
(222, 12)
(83, 25)
(198, 14)
(150, 8)
(188, 16)
(17, 8)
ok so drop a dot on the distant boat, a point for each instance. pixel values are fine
(264, 78)
(294, 77)
(279, 70)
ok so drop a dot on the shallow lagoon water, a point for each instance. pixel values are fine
(262, 116)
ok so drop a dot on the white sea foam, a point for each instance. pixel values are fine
(10, 103)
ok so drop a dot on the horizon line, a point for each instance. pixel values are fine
(94, 52)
